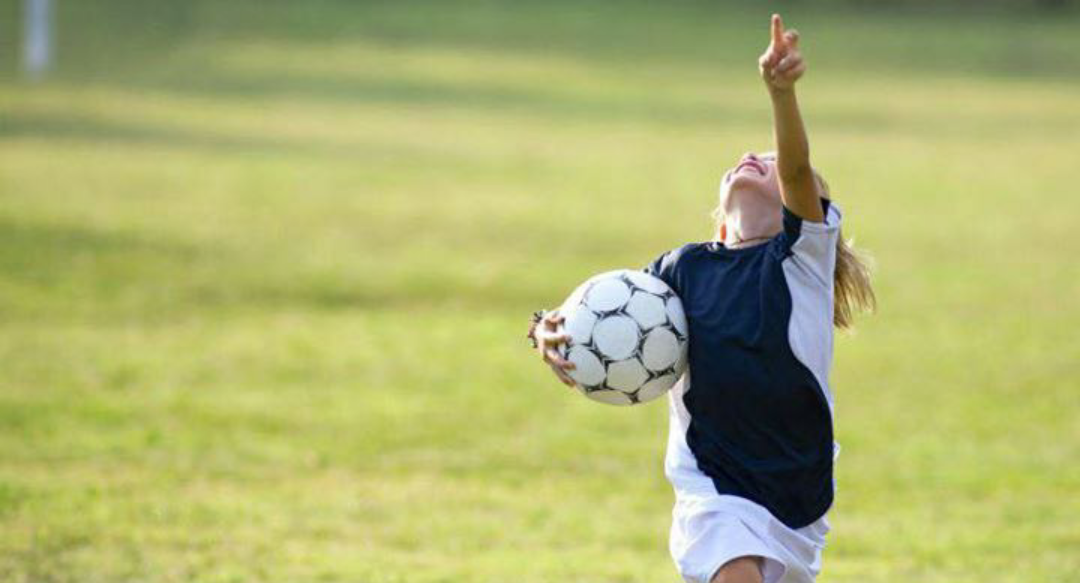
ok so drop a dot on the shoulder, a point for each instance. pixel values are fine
(796, 226)
(671, 258)
(666, 265)
(809, 247)
(686, 251)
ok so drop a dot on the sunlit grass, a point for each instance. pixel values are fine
(264, 293)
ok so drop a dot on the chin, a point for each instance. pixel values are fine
(749, 180)
(757, 187)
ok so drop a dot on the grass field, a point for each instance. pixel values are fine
(264, 277)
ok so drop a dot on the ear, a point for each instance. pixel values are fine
(723, 231)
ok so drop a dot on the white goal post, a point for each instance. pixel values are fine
(37, 38)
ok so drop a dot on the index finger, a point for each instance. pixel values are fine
(777, 31)
(551, 356)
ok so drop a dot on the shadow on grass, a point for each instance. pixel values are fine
(62, 256)
(64, 270)
(488, 98)
(651, 109)
(99, 130)
(948, 120)
(971, 38)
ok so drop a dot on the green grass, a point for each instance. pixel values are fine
(264, 274)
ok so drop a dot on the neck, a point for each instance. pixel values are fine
(741, 230)
(741, 243)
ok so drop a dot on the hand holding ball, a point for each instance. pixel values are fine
(626, 335)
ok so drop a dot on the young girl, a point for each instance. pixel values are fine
(750, 452)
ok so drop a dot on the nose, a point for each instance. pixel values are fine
(750, 156)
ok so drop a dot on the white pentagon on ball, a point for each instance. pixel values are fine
(677, 316)
(607, 294)
(616, 337)
(660, 350)
(588, 370)
(579, 325)
(648, 282)
(626, 375)
(628, 337)
(647, 309)
(656, 387)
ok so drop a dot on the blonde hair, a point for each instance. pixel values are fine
(852, 289)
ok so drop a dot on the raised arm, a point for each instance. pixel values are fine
(781, 66)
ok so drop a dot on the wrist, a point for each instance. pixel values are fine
(781, 93)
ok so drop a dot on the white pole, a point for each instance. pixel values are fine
(37, 39)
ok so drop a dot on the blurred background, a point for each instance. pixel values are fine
(265, 270)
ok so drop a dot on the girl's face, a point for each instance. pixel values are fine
(754, 174)
(751, 191)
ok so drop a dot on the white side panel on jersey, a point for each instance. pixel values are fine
(809, 275)
(680, 464)
(815, 250)
(810, 328)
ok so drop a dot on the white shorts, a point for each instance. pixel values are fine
(709, 531)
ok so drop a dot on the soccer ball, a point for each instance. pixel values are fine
(628, 337)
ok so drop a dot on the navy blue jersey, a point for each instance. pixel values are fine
(753, 416)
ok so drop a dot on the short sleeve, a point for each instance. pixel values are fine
(663, 267)
(811, 245)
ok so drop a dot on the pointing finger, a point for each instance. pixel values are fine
(777, 31)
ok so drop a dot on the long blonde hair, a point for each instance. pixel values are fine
(852, 290)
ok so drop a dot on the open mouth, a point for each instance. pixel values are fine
(757, 166)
